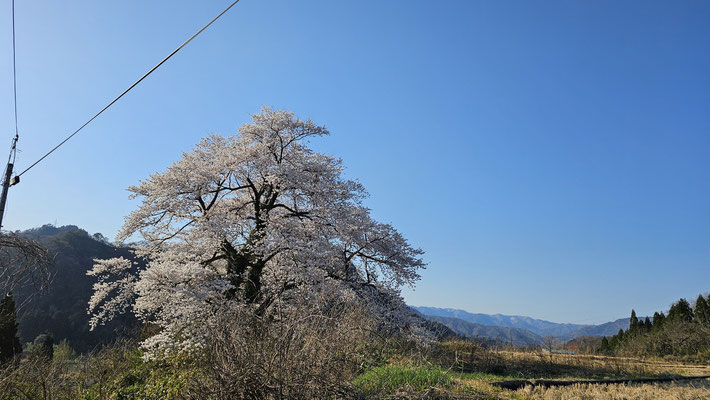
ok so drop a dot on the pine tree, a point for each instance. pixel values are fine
(9, 342)
(701, 312)
(648, 324)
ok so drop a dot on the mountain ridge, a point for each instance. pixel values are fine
(541, 328)
(500, 334)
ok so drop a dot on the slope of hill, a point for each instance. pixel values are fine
(606, 329)
(520, 337)
(62, 310)
(539, 327)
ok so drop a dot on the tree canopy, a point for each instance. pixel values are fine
(681, 311)
(251, 220)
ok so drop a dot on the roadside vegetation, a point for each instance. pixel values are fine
(336, 357)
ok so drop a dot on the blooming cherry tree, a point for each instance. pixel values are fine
(250, 220)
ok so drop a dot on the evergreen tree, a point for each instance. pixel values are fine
(633, 322)
(681, 311)
(701, 312)
(658, 319)
(604, 348)
(616, 340)
(647, 324)
(613, 343)
(9, 342)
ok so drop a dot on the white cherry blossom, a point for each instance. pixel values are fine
(245, 221)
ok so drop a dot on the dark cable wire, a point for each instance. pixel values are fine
(13, 148)
(14, 66)
(131, 87)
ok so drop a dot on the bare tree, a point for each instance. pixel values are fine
(24, 263)
(549, 344)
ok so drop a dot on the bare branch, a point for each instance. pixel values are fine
(23, 263)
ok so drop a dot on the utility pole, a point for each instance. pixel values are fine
(7, 182)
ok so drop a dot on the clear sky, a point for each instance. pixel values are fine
(550, 157)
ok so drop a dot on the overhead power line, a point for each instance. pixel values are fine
(14, 67)
(7, 174)
(130, 87)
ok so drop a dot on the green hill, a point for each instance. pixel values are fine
(62, 310)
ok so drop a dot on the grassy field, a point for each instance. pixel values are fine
(460, 370)
(394, 370)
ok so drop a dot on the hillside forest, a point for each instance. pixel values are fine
(683, 332)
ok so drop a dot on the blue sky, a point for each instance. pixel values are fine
(550, 157)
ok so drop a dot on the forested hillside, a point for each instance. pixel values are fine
(62, 310)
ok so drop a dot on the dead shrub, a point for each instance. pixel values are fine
(305, 353)
(36, 377)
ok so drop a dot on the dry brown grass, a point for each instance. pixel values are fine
(601, 366)
(680, 391)
(538, 365)
(467, 357)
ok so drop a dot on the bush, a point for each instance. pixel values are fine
(43, 346)
(42, 375)
(121, 373)
(295, 353)
(303, 354)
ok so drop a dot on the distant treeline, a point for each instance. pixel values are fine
(684, 332)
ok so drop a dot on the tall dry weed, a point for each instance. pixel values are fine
(305, 353)
(682, 391)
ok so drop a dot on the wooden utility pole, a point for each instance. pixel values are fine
(6, 183)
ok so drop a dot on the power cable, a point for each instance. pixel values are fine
(14, 67)
(130, 87)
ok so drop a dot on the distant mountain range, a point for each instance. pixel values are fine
(516, 329)
(498, 334)
(605, 329)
